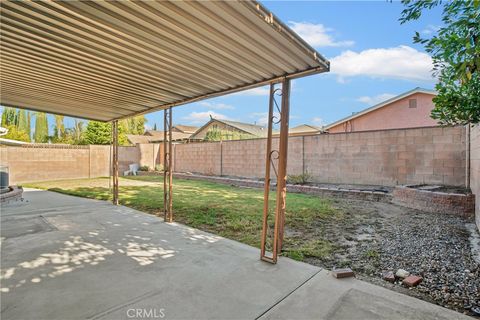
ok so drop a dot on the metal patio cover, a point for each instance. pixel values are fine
(110, 60)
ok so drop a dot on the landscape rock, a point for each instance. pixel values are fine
(389, 276)
(343, 273)
(412, 281)
(402, 273)
(476, 311)
(434, 247)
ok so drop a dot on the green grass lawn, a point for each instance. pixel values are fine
(228, 211)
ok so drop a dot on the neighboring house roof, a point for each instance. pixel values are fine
(138, 138)
(176, 136)
(153, 133)
(253, 129)
(304, 128)
(380, 105)
(186, 129)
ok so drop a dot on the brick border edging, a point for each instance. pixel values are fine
(434, 202)
(322, 191)
(405, 196)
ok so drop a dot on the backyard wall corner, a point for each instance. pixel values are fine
(475, 169)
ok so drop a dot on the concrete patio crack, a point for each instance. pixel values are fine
(287, 295)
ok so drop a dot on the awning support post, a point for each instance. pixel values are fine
(280, 171)
(115, 161)
(167, 165)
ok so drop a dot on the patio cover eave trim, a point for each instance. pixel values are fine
(290, 76)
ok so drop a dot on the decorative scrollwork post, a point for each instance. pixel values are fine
(280, 171)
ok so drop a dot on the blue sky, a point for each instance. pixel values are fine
(372, 58)
(369, 30)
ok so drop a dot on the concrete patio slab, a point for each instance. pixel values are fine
(325, 297)
(65, 257)
(98, 261)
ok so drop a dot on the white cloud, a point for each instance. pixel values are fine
(317, 35)
(402, 62)
(203, 117)
(261, 91)
(216, 106)
(318, 121)
(430, 29)
(375, 99)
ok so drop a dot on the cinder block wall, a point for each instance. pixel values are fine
(146, 154)
(432, 155)
(475, 169)
(197, 157)
(55, 162)
(39, 163)
(99, 161)
(387, 157)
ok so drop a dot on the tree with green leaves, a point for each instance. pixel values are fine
(215, 134)
(15, 134)
(41, 128)
(29, 121)
(9, 117)
(98, 133)
(455, 50)
(59, 130)
(23, 121)
(134, 125)
(78, 132)
(101, 133)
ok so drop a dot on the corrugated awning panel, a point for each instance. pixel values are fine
(110, 60)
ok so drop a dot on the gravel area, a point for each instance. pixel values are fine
(379, 237)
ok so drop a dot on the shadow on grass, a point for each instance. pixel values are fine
(228, 211)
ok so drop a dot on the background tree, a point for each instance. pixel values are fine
(9, 117)
(215, 134)
(59, 130)
(23, 123)
(101, 133)
(455, 51)
(29, 117)
(15, 134)
(134, 125)
(78, 132)
(16, 121)
(41, 128)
